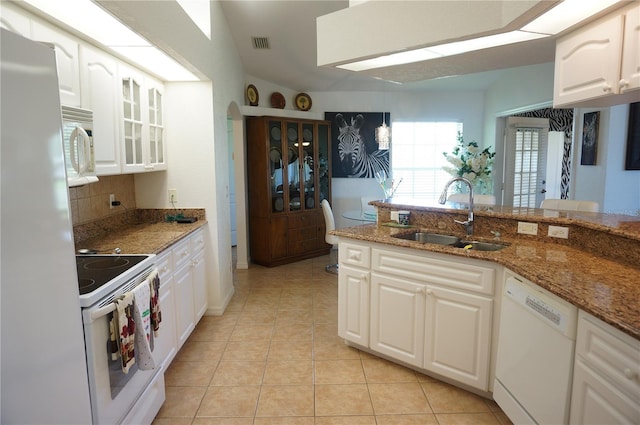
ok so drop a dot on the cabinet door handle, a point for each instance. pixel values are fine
(623, 83)
(606, 88)
(629, 374)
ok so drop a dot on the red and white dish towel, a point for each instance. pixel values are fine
(125, 328)
(137, 312)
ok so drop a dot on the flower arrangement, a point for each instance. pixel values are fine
(468, 161)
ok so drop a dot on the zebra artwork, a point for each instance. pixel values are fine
(356, 159)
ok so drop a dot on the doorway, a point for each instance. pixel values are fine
(525, 148)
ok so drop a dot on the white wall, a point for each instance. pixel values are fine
(616, 189)
(203, 179)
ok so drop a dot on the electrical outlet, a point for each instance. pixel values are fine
(173, 196)
(112, 199)
(558, 232)
(527, 228)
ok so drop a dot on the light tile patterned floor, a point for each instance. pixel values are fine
(274, 357)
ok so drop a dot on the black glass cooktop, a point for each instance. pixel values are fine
(97, 270)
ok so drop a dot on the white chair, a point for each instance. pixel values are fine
(330, 224)
(463, 198)
(570, 205)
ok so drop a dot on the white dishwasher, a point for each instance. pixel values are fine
(535, 354)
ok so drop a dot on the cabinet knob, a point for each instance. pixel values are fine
(623, 83)
(429, 292)
(629, 374)
(606, 87)
(354, 256)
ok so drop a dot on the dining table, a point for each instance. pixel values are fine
(360, 215)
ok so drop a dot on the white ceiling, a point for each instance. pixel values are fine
(291, 60)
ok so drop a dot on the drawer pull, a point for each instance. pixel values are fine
(184, 254)
(629, 374)
(354, 256)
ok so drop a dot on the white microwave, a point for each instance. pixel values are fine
(77, 133)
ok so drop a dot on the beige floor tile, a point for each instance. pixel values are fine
(383, 371)
(403, 398)
(222, 421)
(445, 398)
(173, 421)
(290, 350)
(181, 402)
(291, 372)
(339, 372)
(345, 420)
(339, 400)
(189, 374)
(238, 373)
(467, 419)
(285, 400)
(333, 349)
(426, 419)
(246, 350)
(201, 351)
(282, 420)
(274, 357)
(240, 401)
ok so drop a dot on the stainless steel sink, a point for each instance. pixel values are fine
(479, 246)
(434, 238)
(454, 241)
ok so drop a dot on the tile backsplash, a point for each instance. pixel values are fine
(91, 202)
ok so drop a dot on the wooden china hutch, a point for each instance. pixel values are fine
(289, 174)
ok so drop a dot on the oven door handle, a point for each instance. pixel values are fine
(96, 314)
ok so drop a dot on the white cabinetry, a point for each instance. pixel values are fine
(165, 344)
(353, 293)
(190, 284)
(599, 64)
(397, 318)
(428, 310)
(606, 378)
(13, 20)
(100, 85)
(142, 132)
(67, 62)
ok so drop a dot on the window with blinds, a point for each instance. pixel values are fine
(417, 159)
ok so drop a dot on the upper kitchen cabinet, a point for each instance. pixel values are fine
(142, 131)
(100, 85)
(599, 64)
(66, 48)
(288, 176)
(14, 21)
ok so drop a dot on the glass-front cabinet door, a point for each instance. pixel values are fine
(277, 169)
(323, 166)
(293, 166)
(132, 122)
(307, 170)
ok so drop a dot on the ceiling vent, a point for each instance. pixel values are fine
(260, 43)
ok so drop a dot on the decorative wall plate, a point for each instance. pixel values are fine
(277, 100)
(303, 101)
(252, 95)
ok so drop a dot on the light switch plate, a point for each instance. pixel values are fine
(527, 228)
(558, 232)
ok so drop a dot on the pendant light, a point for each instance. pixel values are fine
(383, 135)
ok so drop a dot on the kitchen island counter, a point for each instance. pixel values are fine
(606, 288)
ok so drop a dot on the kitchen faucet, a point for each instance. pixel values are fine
(443, 198)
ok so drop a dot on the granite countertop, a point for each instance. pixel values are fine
(602, 287)
(144, 238)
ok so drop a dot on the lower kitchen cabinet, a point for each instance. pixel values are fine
(185, 317)
(397, 318)
(458, 335)
(353, 305)
(165, 344)
(422, 309)
(606, 376)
